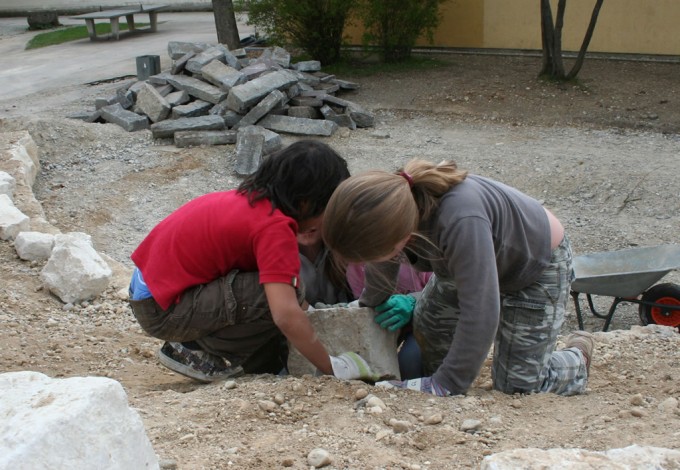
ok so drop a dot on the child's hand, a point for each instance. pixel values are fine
(423, 384)
(396, 312)
(351, 366)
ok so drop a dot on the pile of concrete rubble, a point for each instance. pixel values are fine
(214, 96)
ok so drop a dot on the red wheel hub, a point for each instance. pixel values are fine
(666, 317)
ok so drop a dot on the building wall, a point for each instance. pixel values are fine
(623, 26)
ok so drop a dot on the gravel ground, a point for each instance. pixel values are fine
(610, 180)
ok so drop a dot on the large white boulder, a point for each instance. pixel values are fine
(75, 271)
(79, 422)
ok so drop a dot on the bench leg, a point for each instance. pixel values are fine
(153, 16)
(115, 28)
(131, 22)
(91, 31)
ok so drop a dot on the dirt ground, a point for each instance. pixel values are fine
(603, 154)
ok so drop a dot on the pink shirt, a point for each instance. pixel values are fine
(409, 280)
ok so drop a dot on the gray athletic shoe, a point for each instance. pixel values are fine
(195, 363)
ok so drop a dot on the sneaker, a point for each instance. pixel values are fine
(195, 363)
(583, 341)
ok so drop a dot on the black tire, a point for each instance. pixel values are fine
(666, 294)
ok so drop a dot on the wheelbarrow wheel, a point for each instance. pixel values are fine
(665, 294)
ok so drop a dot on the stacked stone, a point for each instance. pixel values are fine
(214, 96)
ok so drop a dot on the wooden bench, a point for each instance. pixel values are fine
(114, 16)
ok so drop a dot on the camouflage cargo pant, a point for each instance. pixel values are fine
(524, 357)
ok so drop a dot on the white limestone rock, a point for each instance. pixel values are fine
(34, 246)
(75, 271)
(78, 422)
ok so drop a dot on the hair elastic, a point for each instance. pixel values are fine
(407, 177)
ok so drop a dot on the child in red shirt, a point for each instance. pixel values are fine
(218, 279)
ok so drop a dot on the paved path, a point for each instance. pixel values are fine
(26, 72)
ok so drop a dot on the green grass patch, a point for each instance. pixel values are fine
(73, 33)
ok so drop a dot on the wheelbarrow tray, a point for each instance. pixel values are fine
(624, 273)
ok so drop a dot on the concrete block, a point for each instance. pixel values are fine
(102, 101)
(87, 116)
(192, 109)
(249, 151)
(177, 97)
(242, 97)
(196, 63)
(167, 128)
(128, 120)
(307, 112)
(281, 56)
(34, 246)
(272, 140)
(177, 49)
(204, 138)
(351, 329)
(343, 120)
(345, 85)
(222, 75)
(152, 103)
(12, 220)
(76, 422)
(307, 66)
(257, 112)
(230, 58)
(362, 117)
(75, 271)
(252, 71)
(179, 64)
(299, 126)
(198, 88)
(306, 101)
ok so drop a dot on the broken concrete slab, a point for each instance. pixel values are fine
(152, 103)
(307, 112)
(249, 151)
(128, 120)
(200, 138)
(177, 97)
(272, 140)
(179, 64)
(177, 49)
(198, 88)
(192, 109)
(307, 66)
(351, 329)
(198, 61)
(166, 129)
(261, 109)
(222, 75)
(244, 96)
(299, 126)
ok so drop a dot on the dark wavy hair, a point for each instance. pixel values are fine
(298, 180)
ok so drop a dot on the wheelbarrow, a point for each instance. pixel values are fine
(630, 275)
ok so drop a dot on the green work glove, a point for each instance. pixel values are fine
(395, 312)
(351, 366)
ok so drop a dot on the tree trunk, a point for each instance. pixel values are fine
(586, 40)
(225, 23)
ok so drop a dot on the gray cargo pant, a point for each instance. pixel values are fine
(229, 317)
(524, 357)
